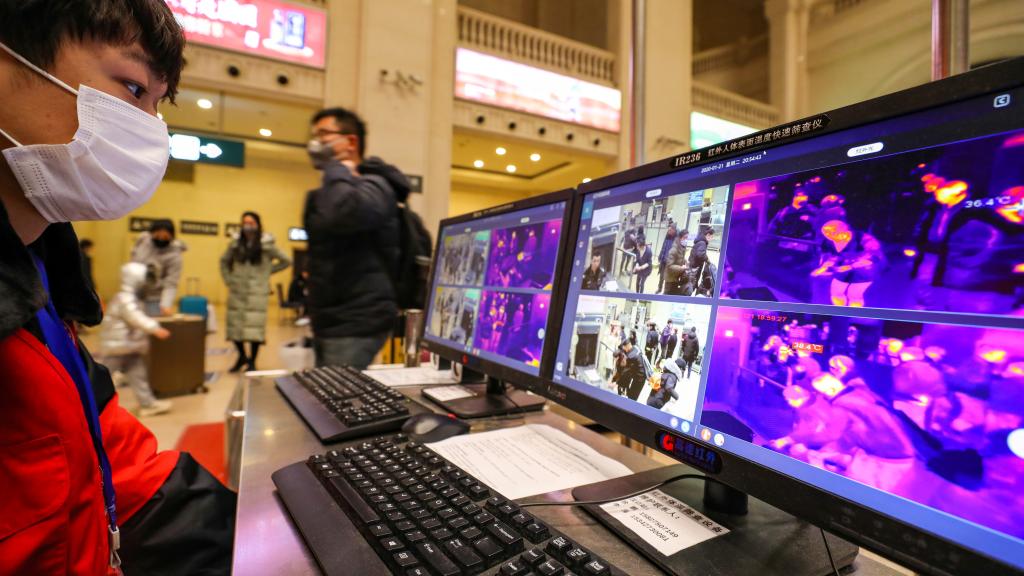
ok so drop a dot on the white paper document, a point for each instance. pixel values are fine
(664, 522)
(528, 460)
(419, 376)
(446, 393)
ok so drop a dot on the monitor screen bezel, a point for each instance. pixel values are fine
(789, 494)
(491, 368)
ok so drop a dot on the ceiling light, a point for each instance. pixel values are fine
(500, 151)
(511, 168)
(266, 132)
(478, 163)
(204, 103)
(585, 180)
(160, 115)
(535, 157)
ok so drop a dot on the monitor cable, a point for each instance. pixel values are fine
(828, 548)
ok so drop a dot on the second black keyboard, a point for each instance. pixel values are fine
(341, 403)
(393, 506)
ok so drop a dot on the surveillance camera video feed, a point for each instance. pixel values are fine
(860, 323)
(492, 285)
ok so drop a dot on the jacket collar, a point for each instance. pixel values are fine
(21, 290)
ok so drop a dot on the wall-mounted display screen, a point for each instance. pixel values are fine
(506, 84)
(266, 28)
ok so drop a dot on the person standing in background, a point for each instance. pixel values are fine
(161, 248)
(691, 349)
(666, 245)
(86, 245)
(643, 264)
(246, 267)
(353, 226)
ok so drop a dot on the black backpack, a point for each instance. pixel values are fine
(415, 247)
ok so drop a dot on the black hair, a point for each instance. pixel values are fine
(37, 28)
(348, 121)
(249, 249)
(85, 243)
(162, 224)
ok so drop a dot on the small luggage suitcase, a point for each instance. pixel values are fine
(192, 302)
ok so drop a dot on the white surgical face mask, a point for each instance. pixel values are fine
(112, 166)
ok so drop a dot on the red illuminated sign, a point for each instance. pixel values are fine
(267, 28)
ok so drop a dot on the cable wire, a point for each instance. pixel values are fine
(828, 549)
(617, 498)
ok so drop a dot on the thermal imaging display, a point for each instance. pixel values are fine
(940, 228)
(492, 284)
(847, 310)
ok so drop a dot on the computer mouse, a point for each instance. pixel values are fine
(431, 427)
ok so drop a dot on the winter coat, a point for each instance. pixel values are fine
(670, 377)
(675, 269)
(691, 348)
(593, 280)
(353, 228)
(168, 263)
(249, 289)
(174, 516)
(632, 375)
(126, 328)
(670, 345)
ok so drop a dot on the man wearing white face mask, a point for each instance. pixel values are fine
(82, 485)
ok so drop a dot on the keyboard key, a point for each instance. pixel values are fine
(415, 536)
(391, 544)
(458, 523)
(559, 546)
(495, 501)
(521, 519)
(442, 534)
(549, 568)
(460, 500)
(507, 509)
(478, 492)
(577, 557)
(533, 556)
(506, 537)
(404, 526)
(489, 549)
(513, 568)
(420, 514)
(430, 524)
(472, 533)
(419, 571)
(483, 518)
(464, 555)
(380, 530)
(536, 532)
(470, 509)
(436, 559)
(596, 568)
(446, 513)
(405, 559)
(395, 517)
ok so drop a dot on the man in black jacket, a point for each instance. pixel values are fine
(353, 227)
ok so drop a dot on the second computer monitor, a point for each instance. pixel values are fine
(491, 286)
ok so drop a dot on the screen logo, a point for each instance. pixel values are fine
(1001, 101)
(690, 452)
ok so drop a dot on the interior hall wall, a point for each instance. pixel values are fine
(273, 184)
(883, 46)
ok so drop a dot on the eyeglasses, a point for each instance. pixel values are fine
(321, 134)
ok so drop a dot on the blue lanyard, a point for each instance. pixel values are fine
(59, 341)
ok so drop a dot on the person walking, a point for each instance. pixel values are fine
(691, 348)
(675, 265)
(246, 267)
(643, 264)
(666, 245)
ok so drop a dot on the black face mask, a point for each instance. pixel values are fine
(161, 243)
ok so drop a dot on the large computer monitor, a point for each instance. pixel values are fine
(490, 293)
(840, 335)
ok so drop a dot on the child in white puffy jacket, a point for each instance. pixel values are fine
(124, 335)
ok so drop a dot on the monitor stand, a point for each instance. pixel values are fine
(762, 539)
(490, 397)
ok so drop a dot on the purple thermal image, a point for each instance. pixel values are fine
(936, 229)
(512, 325)
(524, 256)
(933, 413)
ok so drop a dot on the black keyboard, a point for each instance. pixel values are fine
(394, 506)
(342, 403)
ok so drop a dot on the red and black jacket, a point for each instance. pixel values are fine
(175, 517)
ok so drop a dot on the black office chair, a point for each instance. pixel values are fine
(284, 304)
